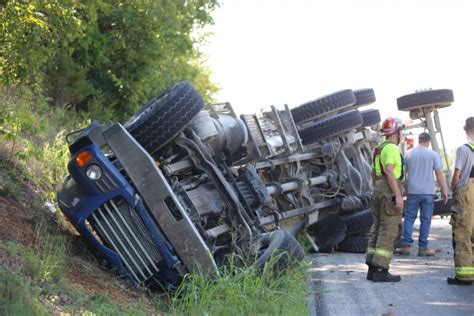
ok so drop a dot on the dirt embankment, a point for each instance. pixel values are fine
(23, 214)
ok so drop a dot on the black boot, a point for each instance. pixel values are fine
(382, 275)
(371, 271)
(456, 281)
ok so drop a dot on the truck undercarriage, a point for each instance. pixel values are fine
(185, 188)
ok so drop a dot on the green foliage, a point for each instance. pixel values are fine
(56, 154)
(18, 296)
(101, 305)
(18, 120)
(33, 136)
(243, 291)
(25, 289)
(46, 261)
(9, 181)
(117, 53)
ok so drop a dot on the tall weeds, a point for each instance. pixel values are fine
(243, 291)
(48, 258)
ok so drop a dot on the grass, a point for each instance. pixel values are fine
(21, 280)
(36, 286)
(46, 260)
(244, 291)
(18, 296)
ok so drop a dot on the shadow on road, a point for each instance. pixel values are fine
(339, 283)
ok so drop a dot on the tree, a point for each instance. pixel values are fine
(103, 53)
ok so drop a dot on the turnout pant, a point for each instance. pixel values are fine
(384, 231)
(462, 222)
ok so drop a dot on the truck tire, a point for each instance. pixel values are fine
(370, 117)
(359, 222)
(164, 116)
(324, 105)
(332, 126)
(364, 97)
(431, 98)
(354, 244)
(442, 209)
(284, 246)
(328, 231)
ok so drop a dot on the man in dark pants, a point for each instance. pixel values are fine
(420, 186)
(387, 202)
(462, 217)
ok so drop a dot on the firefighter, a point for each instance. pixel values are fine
(462, 217)
(387, 202)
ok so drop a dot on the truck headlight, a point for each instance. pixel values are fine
(94, 172)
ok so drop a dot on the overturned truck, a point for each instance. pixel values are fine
(182, 187)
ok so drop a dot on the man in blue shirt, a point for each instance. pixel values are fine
(419, 165)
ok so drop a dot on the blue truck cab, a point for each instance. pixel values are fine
(110, 213)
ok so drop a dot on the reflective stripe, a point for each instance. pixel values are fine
(464, 270)
(383, 253)
(379, 252)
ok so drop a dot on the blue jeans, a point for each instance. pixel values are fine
(424, 202)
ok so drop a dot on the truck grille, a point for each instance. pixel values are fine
(106, 183)
(120, 227)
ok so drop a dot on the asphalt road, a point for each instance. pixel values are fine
(339, 285)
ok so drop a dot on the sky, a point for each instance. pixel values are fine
(276, 52)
